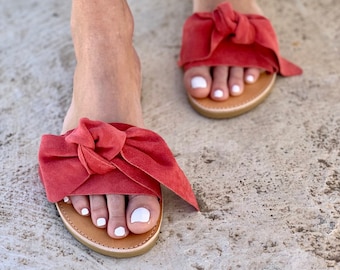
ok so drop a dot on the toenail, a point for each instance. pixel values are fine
(84, 212)
(218, 93)
(198, 82)
(235, 90)
(101, 222)
(120, 231)
(66, 199)
(140, 215)
(250, 79)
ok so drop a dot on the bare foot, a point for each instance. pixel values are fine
(107, 87)
(220, 82)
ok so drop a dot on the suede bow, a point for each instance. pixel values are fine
(102, 158)
(227, 23)
(225, 37)
(97, 146)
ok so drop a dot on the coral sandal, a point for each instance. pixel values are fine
(102, 158)
(225, 37)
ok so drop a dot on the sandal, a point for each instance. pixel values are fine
(87, 160)
(225, 37)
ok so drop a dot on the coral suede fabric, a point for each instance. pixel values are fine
(225, 37)
(102, 158)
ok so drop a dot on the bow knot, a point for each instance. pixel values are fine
(235, 26)
(98, 143)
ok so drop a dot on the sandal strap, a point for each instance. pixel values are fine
(226, 37)
(102, 158)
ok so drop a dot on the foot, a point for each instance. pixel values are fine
(107, 87)
(221, 82)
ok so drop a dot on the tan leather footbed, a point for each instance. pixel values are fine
(97, 239)
(252, 96)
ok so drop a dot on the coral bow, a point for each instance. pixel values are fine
(225, 37)
(230, 24)
(102, 158)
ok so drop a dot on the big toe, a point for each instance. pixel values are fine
(197, 81)
(142, 213)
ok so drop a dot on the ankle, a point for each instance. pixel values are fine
(96, 25)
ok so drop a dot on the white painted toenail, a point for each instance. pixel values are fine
(235, 90)
(101, 222)
(140, 215)
(84, 212)
(198, 82)
(218, 93)
(250, 79)
(120, 231)
(66, 199)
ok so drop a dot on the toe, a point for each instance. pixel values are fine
(197, 81)
(251, 75)
(99, 212)
(236, 81)
(219, 89)
(116, 227)
(80, 203)
(142, 213)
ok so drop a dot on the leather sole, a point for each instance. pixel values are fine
(253, 95)
(98, 240)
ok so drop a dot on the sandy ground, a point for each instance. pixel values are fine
(268, 182)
